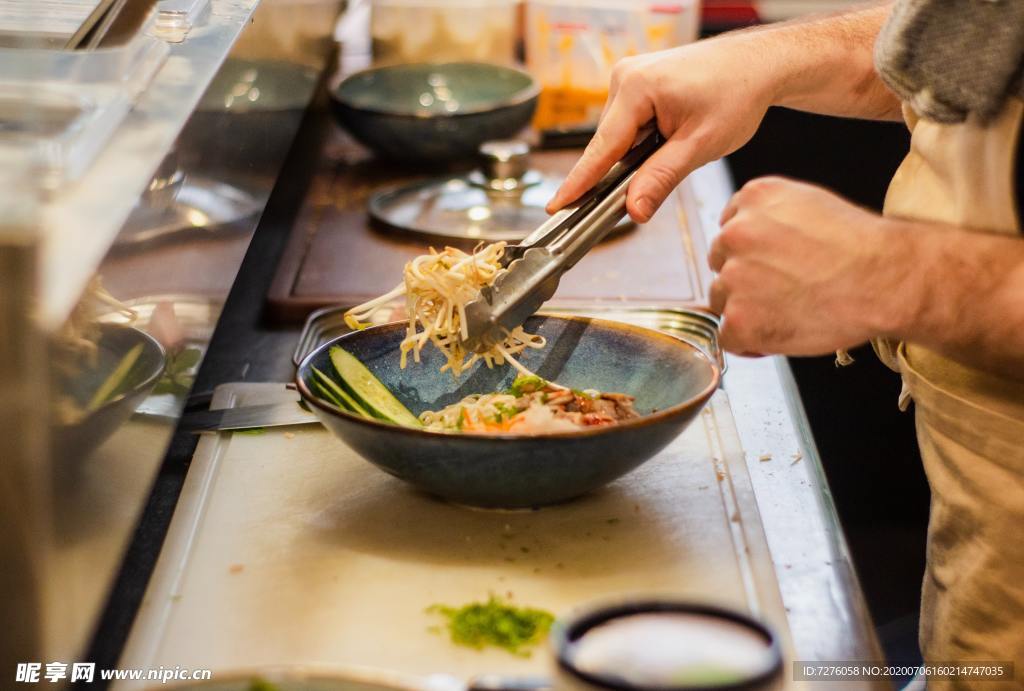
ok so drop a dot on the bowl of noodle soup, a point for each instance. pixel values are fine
(669, 379)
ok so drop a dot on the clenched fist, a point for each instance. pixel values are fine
(802, 271)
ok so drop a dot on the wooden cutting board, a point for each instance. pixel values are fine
(335, 256)
(287, 548)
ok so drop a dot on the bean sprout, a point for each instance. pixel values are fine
(437, 286)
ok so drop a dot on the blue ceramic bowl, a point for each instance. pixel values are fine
(434, 111)
(670, 379)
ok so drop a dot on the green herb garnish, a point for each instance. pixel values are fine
(495, 623)
(506, 412)
(526, 384)
(262, 685)
(179, 372)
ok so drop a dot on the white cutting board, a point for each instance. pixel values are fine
(287, 548)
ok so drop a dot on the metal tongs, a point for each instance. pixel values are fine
(533, 268)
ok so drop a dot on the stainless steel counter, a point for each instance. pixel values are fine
(827, 613)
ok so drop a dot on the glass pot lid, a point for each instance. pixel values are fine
(502, 200)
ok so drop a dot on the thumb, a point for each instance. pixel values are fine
(657, 177)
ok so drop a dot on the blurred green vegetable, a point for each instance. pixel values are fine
(526, 384)
(262, 685)
(179, 373)
(496, 623)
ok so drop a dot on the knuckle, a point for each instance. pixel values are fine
(622, 65)
(716, 257)
(756, 187)
(662, 177)
(718, 287)
(736, 316)
(736, 234)
(716, 249)
(717, 298)
(773, 181)
(702, 140)
(731, 274)
(733, 334)
(762, 187)
(631, 77)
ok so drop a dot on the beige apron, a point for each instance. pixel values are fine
(970, 424)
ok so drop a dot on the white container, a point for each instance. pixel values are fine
(443, 30)
(571, 46)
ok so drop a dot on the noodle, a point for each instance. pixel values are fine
(437, 286)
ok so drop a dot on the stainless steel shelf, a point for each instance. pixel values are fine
(78, 223)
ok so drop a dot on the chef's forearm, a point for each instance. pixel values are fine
(826, 64)
(962, 296)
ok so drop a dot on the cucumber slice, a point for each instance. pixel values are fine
(338, 395)
(369, 391)
(323, 392)
(109, 388)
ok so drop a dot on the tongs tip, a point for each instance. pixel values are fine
(532, 268)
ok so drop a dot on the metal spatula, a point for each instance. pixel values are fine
(534, 267)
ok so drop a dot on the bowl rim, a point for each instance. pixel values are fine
(642, 421)
(524, 95)
(150, 379)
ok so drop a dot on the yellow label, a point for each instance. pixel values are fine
(568, 106)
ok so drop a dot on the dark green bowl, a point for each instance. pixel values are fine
(81, 438)
(436, 111)
(671, 380)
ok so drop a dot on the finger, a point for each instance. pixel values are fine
(613, 90)
(717, 255)
(606, 106)
(730, 210)
(658, 176)
(731, 338)
(736, 336)
(718, 295)
(728, 338)
(615, 135)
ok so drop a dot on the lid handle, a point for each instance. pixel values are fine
(504, 163)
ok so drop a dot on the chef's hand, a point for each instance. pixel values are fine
(802, 271)
(707, 98)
